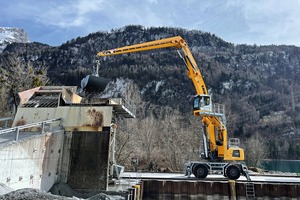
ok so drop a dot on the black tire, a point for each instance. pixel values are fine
(200, 171)
(233, 172)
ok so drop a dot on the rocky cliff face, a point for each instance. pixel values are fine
(9, 35)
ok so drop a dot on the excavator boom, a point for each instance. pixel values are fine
(176, 42)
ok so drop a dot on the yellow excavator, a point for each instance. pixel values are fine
(219, 155)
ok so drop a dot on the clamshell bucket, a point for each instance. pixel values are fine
(92, 83)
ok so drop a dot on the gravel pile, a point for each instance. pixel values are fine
(30, 194)
(59, 191)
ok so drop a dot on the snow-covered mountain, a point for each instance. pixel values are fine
(9, 35)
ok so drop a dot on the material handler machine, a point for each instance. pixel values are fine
(220, 154)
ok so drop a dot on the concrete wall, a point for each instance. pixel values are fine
(33, 162)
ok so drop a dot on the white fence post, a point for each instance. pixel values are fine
(17, 133)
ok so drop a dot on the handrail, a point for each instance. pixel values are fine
(5, 119)
(219, 110)
(130, 106)
(18, 128)
(234, 142)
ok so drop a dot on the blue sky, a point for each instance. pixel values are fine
(260, 22)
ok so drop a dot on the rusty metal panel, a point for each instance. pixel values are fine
(25, 95)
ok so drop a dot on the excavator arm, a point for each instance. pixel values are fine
(215, 132)
(176, 42)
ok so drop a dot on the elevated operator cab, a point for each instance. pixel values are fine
(202, 103)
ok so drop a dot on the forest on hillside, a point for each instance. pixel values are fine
(259, 85)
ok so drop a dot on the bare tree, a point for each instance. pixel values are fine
(180, 138)
(160, 137)
(4, 107)
(128, 128)
(16, 76)
(255, 150)
(126, 146)
(148, 138)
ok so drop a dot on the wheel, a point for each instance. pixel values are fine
(200, 171)
(233, 172)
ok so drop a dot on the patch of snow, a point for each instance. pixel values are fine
(9, 35)
(291, 133)
(248, 85)
(146, 87)
(116, 88)
(158, 84)
(6, 35)
(228, 85)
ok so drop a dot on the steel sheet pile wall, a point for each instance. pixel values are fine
(271, 190)
(183, 189)
(163, 189)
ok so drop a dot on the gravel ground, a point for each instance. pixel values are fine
(58, 192)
